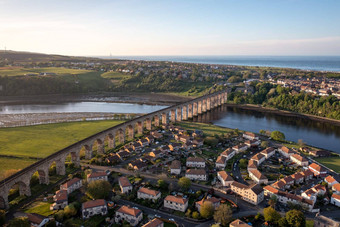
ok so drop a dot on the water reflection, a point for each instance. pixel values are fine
(320, 134)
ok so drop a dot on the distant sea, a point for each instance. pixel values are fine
(314, 63)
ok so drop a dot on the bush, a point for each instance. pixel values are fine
(277, 135)
(99, 189)
(195, 215)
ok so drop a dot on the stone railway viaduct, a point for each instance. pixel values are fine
(118, 133)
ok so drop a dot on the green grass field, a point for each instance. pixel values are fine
(42, 140)
(42, 208)
(208, 129)
(331, 162)
(115, 75)
(57, 70)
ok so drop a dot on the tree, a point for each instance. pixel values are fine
(51, 223)
(272, 201)
(195, 215)
(2, 217)
(19, 222)
(188, 213)
(184, 183)
(98, 189)
(296, 218)
(243, 163)
(283, 222)
(264, 144)
(223, 214)
(162, 184)
(207, 209)
(263, 132)
(271, 215)
(277, 135)
(301, 143)
(70, 210)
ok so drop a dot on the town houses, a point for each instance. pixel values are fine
(195, 162)
(258, 177)
(252, 194)
(196, 174)
(285, 151)
(250, 136)
(175, 167)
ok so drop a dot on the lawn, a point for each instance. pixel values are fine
(39, 141)
(57, 70)
(331, 162)
(39, 207)
(208, 129)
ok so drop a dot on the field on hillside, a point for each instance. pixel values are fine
(331, 162)
(17, 71)
(25, 144)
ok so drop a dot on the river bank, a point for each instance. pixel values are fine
(287, 113)
(118, 97)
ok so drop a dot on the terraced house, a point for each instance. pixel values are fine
(195, 162)
(71, 185)
(196, 174)
(252, 194)
(94, 207)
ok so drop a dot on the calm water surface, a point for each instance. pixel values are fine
(320, 134)
(103, 107)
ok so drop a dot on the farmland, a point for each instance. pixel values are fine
(22, 146)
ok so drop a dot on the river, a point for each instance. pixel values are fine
(320, 134)
(316, 133)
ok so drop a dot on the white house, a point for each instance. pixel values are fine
(225, 179)
(220, 162)
(298, 159)
(336, 188)
(60, 200)
(130, 214)
(195, 162)
(250, 136)
(94, 207)
(100, 175)
(335, 200)
(196, 174)
(258, 177)
(176, 203)
(258, 158)
(124, 184)
(285, 151)
(317, 170)
(37, 220)
(268, 152)
(252, 143)
(146, 193)
(71, 185)
(228, 153)
(330, 181)
(175, 167)
(240, 148)
(253, 194)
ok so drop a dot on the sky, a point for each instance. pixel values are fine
(171, 27)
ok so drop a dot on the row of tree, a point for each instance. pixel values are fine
(285, 99)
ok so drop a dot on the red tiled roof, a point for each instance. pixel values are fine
(97, 174)
(317, 167)
(129, 210)
(330, 179)
(258, 174)
(220, 159)
(61, 195)
(336, 196)
(336, 187)
(271, 189)
(70, 182)
(176, 199)
(225, 176)
(148, 191)
(94, 203)
(195, 159)
(153, 223)
(196, 172)
(124, 182)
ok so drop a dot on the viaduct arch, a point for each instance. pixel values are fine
(174, 113)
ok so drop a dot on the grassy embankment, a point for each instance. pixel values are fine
(25, 145)
(208, 129)
(331, 162)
